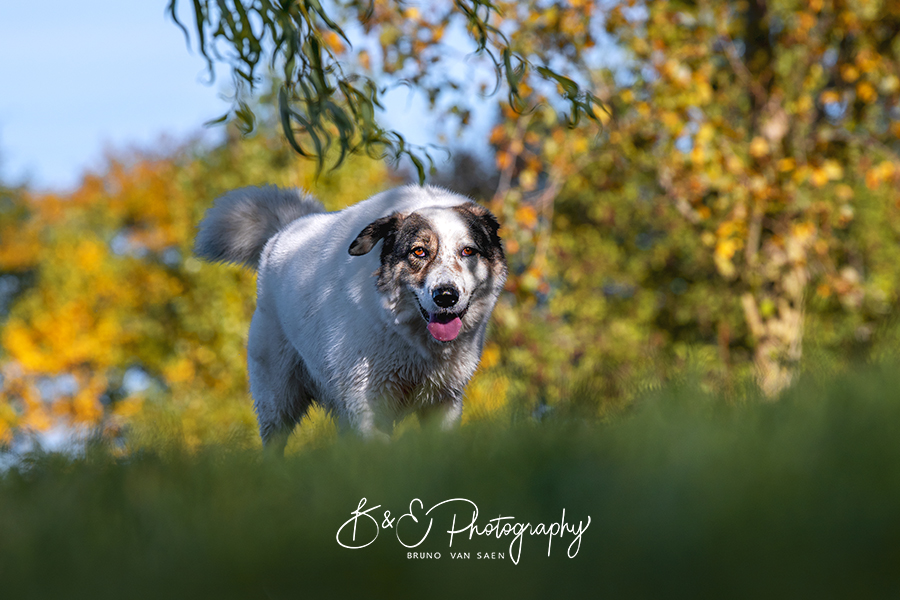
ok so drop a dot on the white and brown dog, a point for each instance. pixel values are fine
(372, 336)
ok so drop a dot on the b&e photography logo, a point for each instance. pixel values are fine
(462, 515)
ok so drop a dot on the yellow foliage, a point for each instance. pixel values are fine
(86, 407)
(128, 408)
(334, 42)
(805, 22)
(580, 145)
(490, 356)
(706, 133)
(498, 134)
(818, 177)
(889, 85)
(786, 165)
(526, 216)
(865, 91)
(833, 170)
(726, 248)
(317, 429)
(759, 147)
(89, 255)
(486, 397)
(19, 246)
(36, 417)
(734, 165)
(181, 370)
(8, 421)
(867, 60)
(830, 97)
(527, 179)
(19, 344)
(803, 231)
(671, 120)
(849, 73)
(844, 192)
(6, 432)
(879, 173)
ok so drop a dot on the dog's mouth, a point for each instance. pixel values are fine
(444, 326)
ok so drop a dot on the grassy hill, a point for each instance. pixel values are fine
(688, 496)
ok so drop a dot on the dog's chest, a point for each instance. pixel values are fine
(416, 382)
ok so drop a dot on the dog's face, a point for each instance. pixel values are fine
(446, 264)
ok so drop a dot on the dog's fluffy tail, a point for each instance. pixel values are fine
(240, 223)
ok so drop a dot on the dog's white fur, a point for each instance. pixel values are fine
(325, 332)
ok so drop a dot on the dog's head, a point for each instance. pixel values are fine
(447, 264)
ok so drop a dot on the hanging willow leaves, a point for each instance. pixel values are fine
(321, 99)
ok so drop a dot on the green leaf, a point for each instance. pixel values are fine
(569, 86)
(217, 121)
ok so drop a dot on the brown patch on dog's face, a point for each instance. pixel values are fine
(409, 247)
(413, 248)
(483, 226)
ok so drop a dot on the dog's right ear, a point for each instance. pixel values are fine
(374, 231)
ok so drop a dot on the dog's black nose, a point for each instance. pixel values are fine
(445, 297)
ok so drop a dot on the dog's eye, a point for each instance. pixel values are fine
(467, 251)
(420, 252)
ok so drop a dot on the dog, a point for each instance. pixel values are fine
(375, 312)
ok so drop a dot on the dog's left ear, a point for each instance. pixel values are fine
(484, 220)
(374, 231)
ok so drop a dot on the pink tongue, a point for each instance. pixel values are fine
(444, 332)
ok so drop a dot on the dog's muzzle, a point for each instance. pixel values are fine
(445, 297)
(443, 325)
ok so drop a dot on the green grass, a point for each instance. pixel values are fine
(689, 495)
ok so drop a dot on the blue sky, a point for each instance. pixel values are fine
(78, 79)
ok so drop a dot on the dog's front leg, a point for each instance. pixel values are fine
(446, 413)
(367, 422)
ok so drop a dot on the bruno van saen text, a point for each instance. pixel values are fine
(498, 527)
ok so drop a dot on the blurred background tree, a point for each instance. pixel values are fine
(730, 207)
(735, 218)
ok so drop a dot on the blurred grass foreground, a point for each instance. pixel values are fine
(688, 494)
